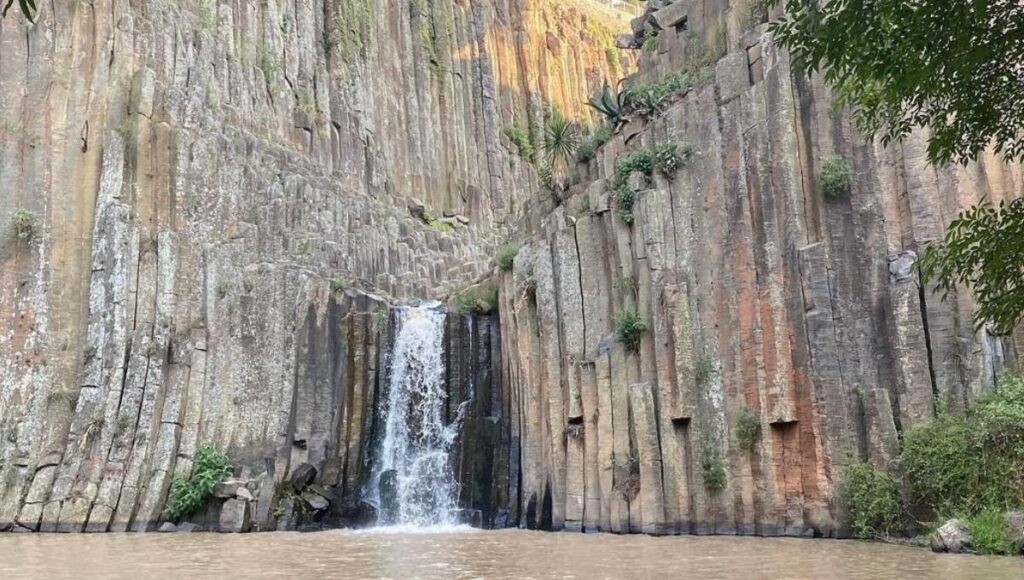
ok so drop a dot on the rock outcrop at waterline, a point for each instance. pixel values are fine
(787, 333)
(187, 190)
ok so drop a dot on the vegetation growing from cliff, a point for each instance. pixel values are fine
(970, 467)
(521, 139)
(966, 464)
(836, 177)
(561, 137)
(210, 466)
(629, 328)
(649, 98)
(747, 429)
(479, 300)
(609, 104)
(598, 136)
(872, 501)
(625, 198)
(506, 256)
(713, 469)
(23, 222)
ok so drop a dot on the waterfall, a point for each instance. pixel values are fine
(413, 480)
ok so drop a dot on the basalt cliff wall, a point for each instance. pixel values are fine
(221, 197)
(217, 198)
(768, 306)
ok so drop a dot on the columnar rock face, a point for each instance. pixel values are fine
(761, 297)
(205, 181)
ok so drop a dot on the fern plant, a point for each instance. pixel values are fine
(210, 466)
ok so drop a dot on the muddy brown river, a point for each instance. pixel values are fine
(475, 554)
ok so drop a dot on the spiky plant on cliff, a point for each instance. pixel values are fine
(561, 137)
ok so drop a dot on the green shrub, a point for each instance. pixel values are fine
(506, 256)
(442, 226)
(872, 501)
(669, 157)
(640, 161)
(338, 286)
(649, 98)
(210, 466)
(836, 177)
(625, 198)
(713, 468)
(521, 139)
(703, 369)
(629, 328)
(24, 223)
(747, 429)
(478, 300)
(600, 135)
(964, 465)
(650, 44)
(990, 534)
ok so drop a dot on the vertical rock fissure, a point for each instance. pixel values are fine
(927, 340)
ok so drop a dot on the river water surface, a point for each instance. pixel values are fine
(468, 553)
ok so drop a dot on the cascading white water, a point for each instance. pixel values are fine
(417, 443)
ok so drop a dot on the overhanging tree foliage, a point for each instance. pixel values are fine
(28, 8)
(954, 68)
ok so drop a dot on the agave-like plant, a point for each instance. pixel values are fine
(610, 104)
(561, 137)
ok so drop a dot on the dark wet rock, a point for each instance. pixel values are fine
(470, 517)
(317, 503)
(388, 488)
(228, 488)
(302, 476)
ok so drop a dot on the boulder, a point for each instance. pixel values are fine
(317, 502)
(167, 527)
(952, 537)
(234, 516)
(244, 493)
(188, 528)
(228, 488)
(302, 476)
(671, 15)
(417, 209)
(19, 529)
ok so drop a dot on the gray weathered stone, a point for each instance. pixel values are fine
(953, 536)
(234, 516)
